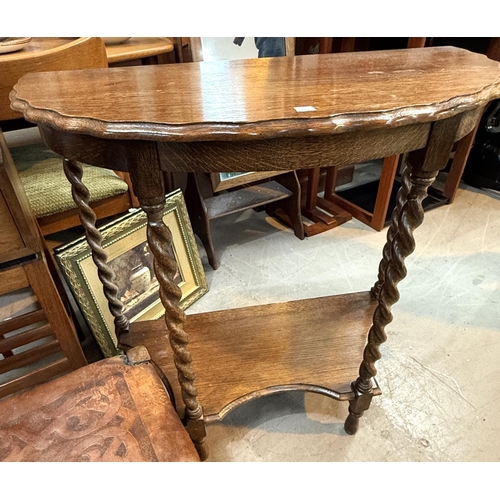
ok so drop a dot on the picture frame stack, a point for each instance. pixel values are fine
(125, 242)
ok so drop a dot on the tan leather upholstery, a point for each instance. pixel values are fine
(103, 412)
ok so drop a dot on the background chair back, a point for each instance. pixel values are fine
(51, 199)
(81, 53)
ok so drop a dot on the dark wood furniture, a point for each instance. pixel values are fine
(371, 203)
(314, 221)
(280, 196)
(368, 105)
(37, 338)
(324, 213)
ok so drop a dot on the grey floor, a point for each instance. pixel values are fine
(439, 372)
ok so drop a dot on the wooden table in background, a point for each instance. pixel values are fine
(149, 50)
(134, 49)
(236, 116)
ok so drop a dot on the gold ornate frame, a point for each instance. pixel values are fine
(120, 236)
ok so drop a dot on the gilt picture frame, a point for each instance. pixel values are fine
(130, 258)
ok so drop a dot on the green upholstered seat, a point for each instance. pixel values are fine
(48, 190)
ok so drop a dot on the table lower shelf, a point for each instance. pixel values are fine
(244, 198)
(239, 354)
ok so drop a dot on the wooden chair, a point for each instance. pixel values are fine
(373, 203)
(41, 172)
(116, 409)
(37, 338)
(210, 196)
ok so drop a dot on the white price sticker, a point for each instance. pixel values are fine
(304, 109)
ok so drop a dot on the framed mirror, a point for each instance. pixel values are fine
(225, 48)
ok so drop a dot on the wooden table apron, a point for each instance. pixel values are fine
(147, 150)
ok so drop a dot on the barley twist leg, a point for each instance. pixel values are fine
(402, 245)
(393, 228)
(160, 240)
(74, 173)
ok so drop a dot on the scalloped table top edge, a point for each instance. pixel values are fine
(261, 98)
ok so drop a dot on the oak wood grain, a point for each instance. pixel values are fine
(11, 239)
(256, 98)
(366, 104)
(17, 208)
(290, 153)
(12, 279)
(312, 342)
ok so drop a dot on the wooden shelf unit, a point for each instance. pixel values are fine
(280, 195)
(245, 198)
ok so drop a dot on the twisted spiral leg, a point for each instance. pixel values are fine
(402, 245)
(81, 196)
(160, 240)
(393, 228)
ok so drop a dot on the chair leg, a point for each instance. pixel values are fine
(389, 171)
(289, 209)
(458, 165)
(198, 216)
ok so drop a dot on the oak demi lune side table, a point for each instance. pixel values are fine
(255, 115)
